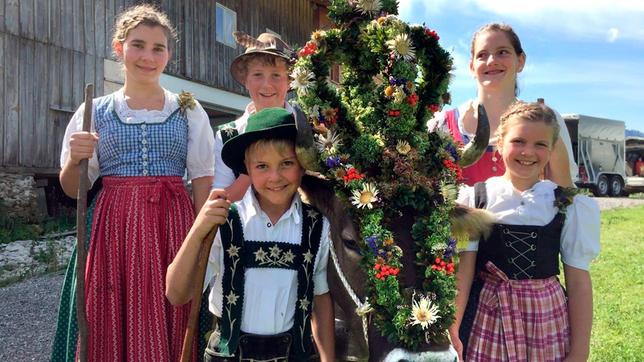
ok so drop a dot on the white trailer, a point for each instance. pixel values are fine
(598, 148)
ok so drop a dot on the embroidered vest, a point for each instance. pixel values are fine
(240, 254)
(228, 131)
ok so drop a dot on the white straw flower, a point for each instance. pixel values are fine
(365, 197)
(401, 45)
(423, 312)
(302, 80)
(369, 7)
(328, 143)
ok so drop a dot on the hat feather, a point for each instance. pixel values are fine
(248, 41)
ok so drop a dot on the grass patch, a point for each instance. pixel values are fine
(618, 288)
(15, 229)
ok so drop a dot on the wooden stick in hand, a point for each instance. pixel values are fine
(81, 227)
(195, 304)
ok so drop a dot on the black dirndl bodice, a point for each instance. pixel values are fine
(520, 251)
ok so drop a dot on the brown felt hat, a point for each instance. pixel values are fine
(266, 43)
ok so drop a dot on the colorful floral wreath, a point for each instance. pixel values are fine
(373, 143)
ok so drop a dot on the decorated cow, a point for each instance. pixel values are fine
(387, 185)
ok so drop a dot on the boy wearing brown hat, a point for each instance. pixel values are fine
(263, 69)
(267, 268)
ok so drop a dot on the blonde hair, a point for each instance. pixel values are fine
(144, 14)
(281, 145)
(528, 112)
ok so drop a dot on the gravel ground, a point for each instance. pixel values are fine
(28, 310)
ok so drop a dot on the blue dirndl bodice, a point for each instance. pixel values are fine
(140, 149)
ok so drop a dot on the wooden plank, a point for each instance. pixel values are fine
(109, 24)
(77, 20)
(55, 27)
(211, 43)
(2, 27)
(202, 54)
(54, 144)
(42, 127)
(26, 115)
(89, 25)
(11, 100)
(180, 52)
(2, 113)
(78, 79)
(188, 33)
(12, 17)
(99, 77)
(54, 77)
(27, 18)
(41, 20)
(100, 30)
(30, 170)
(66, 74)
(67, 23)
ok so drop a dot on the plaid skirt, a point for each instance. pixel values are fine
(519, 320)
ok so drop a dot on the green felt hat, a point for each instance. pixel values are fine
(270, 123)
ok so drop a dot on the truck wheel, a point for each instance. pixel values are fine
(616, 186)
(601, 189)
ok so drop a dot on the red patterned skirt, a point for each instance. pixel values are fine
(519, 320)
(138, 226)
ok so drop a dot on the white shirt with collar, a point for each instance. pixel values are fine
(270, 294)
(224, 176)
(580, 235)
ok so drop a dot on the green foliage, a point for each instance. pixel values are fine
(367, 150)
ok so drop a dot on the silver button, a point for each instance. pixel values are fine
(145, 172)
(144, 149)
(143, 126)
(145, 142)
(494, 159)
(268, 224)
(145, 163)
(493, 168)
(144, 133)
(144, 156)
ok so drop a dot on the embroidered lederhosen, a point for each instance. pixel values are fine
(240, 254)
(228, 131)
(519, 251)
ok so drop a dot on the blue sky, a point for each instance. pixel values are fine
(583, 56)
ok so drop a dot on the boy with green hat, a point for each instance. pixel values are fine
(263, 69)
(267, 267)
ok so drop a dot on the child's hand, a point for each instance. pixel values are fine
(214, 211)
(81, 146)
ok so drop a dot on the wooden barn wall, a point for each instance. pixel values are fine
(50, 48)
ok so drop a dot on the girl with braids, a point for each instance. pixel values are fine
(144, 138)
(523, 313)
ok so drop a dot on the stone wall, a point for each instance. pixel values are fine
(19, 197)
